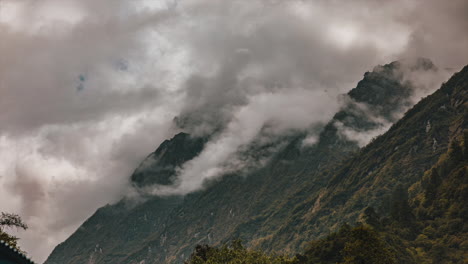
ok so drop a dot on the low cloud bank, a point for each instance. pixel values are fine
(89, 88)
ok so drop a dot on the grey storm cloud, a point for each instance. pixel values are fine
(89, 88)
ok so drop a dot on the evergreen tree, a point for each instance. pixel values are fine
(431, 184)
(465, 145)
(364, 246)
(456, 152)
(370, 217)
(400, 209)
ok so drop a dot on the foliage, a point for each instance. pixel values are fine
(234, 254)
(413, 175)
(8, 220)
(429, 227)
(361, 244)
(440, 208)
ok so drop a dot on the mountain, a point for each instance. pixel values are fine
(301, 193)
(408, 161)
(421, 216)
(130, 221)
(160, 166)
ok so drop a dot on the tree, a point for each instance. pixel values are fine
(364, 245)
(7, 221)
(370, 217)
(358, 245)
(465, 144)
(235, 253)
(400, 209)
(455, 151)
(431, 184)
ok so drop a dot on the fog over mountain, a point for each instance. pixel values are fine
(89, 88)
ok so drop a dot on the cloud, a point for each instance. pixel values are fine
(362, 138)
(436, 32)
(55, 60)
(89, 88)
(81, 105)
(418, 78)
(280, 112)
(262, 47)
(68, 172)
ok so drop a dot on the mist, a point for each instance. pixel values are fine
(90, 88)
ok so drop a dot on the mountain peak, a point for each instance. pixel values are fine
(294, 200)
(161, 165)
(386, 84)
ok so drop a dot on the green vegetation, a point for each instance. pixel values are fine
(361, 245)
(439, 204)
(407, 191)
(235, 254)
(11, 221)
(427, 224)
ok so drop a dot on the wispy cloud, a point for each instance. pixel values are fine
(89, 88)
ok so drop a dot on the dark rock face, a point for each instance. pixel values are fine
(301, 194)
(160, 166)
(382, 95)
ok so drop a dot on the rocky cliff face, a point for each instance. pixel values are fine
(302, 193)
(160, 166)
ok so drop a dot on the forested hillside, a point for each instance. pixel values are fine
(419, 221)
(405, 190)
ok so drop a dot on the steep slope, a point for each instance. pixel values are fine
(159, 167)
(253, 208)
(400, 157)
(425, 223)
(263, 208)
(115, 230)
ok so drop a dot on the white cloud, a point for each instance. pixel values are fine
(88, 88)
(281, 111)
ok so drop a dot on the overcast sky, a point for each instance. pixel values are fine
(88, 88)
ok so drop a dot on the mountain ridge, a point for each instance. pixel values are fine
(255, 221)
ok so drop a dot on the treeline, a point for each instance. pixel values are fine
(361, 244)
